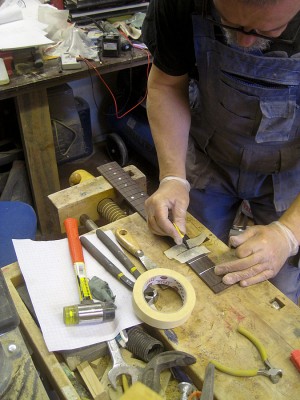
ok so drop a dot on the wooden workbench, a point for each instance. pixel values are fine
(210, 333)
(30, 94)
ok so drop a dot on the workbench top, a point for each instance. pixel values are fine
(210, 332)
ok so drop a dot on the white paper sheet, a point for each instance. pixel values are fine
(10, 14)
(49, 275)
(22, 34)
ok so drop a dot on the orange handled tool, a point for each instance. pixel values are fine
(71, 226)
(87, 310)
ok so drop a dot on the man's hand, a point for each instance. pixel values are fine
(262, 251)
(170, 200)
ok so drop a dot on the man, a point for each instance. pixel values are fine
(244, 140)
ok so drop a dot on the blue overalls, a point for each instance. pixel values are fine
(245, 139)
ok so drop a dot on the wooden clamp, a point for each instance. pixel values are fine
(84, 197)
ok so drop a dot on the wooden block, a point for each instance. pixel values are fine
(137, 176)
(81, 199)
(96, 389)
(84, 197)
(89, 353)
(140, 391)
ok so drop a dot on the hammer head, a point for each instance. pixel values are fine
(93, 312)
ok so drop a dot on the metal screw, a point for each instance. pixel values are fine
(186, 389)
(12, 348)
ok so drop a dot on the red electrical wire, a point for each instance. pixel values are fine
(91, 65)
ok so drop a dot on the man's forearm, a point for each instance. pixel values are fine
(169, 117)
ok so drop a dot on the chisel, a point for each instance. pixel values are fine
(130, 244)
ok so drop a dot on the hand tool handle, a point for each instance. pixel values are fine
(255, 341)
(234, 371)
(183, 236)
(295, 358)
(118, 253)
(127, 241)
(75, 247)
(106, 263)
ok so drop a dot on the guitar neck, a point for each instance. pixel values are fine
(125, 186)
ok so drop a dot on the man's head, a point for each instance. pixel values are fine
(268, 18)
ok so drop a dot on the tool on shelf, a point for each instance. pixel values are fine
(87, 310)
(274, 374)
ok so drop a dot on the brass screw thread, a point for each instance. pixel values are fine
(110, 210)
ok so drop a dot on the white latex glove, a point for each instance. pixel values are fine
(172, 196)
(261, 251)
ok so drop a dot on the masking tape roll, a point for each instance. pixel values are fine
(161, 319)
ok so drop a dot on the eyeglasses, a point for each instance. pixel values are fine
(253, 32)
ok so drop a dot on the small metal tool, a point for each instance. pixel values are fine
(207, 392)
(150, 375)
(182, 235)
(186, 389)
(129, 243)
(120, 367)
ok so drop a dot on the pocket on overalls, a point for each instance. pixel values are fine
(235, 111)
(198, 166)
(277, 118)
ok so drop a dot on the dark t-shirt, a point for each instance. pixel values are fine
(168, 33)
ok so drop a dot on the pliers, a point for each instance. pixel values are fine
(272, 373)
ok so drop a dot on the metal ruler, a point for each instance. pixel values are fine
(135, 197)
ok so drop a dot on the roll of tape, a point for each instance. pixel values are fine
(161, 319)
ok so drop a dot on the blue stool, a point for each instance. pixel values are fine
(17, 221)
